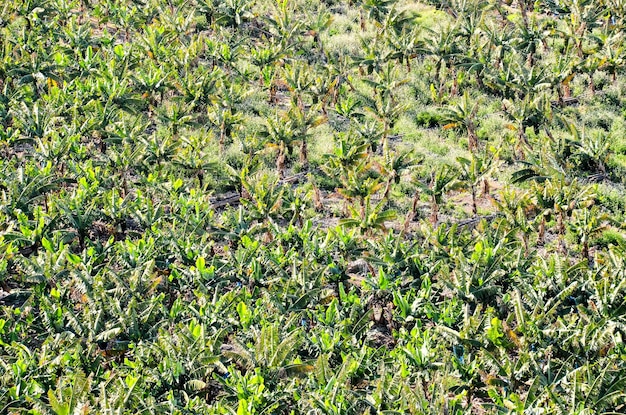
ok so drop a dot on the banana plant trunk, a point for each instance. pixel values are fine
(434, 211)
(585, 250)
(222, 139)
(521, 142)
(304, 153)
(472, 137)
(317, 199)
(362, 202)
(592, 85)
(387, 189)
(411, 214)
(486, 189)
(560, 227)
(541, 233)
(280, 160)
(474, 205)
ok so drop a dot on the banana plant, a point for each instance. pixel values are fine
(271, 352)
(386, 82)
(265, 198)
(69, 397)
(79, 215)
(356, 186)
(303, 121)
(176, 116)
(198, 87)
(463, 115)
(557, 194)
(31, 233)
(586, 224)
(474, 171)
(373, 56)
(348, 108)
(393, 167)
(595, 147)
(154, 41)
(225, 120)
(442, 181)
(316, 25)
(345, 157)
(34, 122)
(185, 362)
(405, 45)
(35, 72)
(369, 218)
(27, 189)
(152, 82)
(387, 113)
(280, 135)
(298, 78)
(231, 13)
(515, 206)
(283, 23)
(531, 111)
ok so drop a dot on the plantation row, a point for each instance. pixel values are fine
(317, 207)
